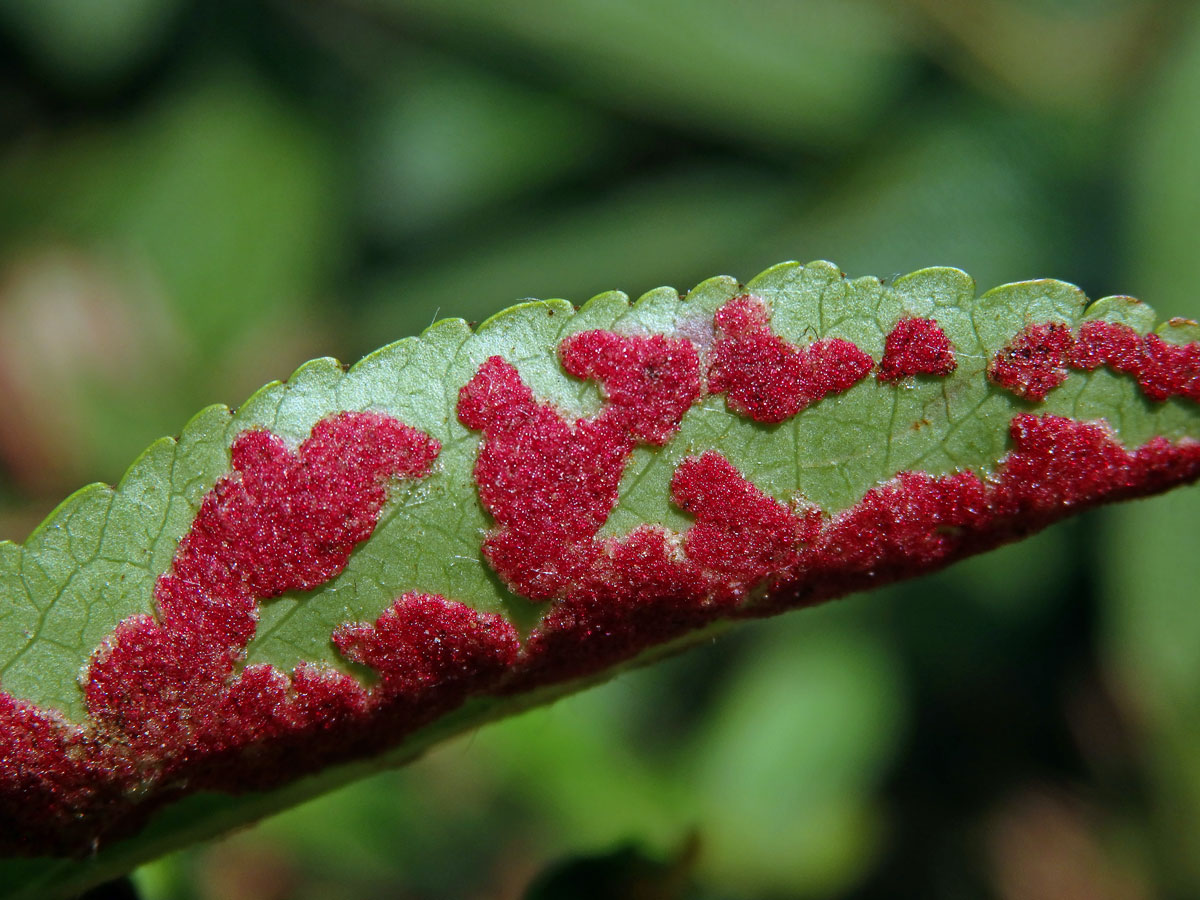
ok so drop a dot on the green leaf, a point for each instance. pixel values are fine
(800, 505)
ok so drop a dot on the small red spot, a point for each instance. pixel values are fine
(768, 379)
(1034, 362)
(916, 347)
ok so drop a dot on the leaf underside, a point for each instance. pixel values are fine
(357, 563)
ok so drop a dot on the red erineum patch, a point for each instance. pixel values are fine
(551, 484)
(768, 379)
(162, 693)
(430, 653)
(648, 383)
(425, 642)
(1038, 359)
(653, 584)
(916, 346)
(918, 523)
(51, 774)
(1162, 370)
(1034, 362)
(282, 521)
(741, 535)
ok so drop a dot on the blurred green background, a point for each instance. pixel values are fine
(197, 196)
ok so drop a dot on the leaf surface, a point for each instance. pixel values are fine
(357, 563)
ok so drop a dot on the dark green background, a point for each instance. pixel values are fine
(197, 196)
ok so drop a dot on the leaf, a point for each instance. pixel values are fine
(358, 563)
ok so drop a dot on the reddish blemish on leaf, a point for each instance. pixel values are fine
(624, 594)
(172, 713)
(425, 642)
(654, 585)
(1038, 359)
(741, 535)
(285, 521)
(916, 346)
(917, 522)
(1034, 362)
(282, 521)
(768, 379)
(430, 653)
(50, 771)
(648, 383)
(550, 484)
(162, 693)
(1162, 370)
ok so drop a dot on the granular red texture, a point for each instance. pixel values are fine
(550, 484)
(281, 521)
(648, 383)
(916, 347)
(430, 653)
(425, 642)
(741, 535)
(642, 593)
(285, 521)
(171, 712)
(917, 523)
(49, 771)
(154, 687)
(162, 693)
(616, 597)
(1038, 359)
(653, 585)
(1108, 344)
(1162, 370)
(768, 379)
(1059, 464)
(1034, 362)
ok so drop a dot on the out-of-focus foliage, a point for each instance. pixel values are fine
(1152, 633)
(194, 197)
